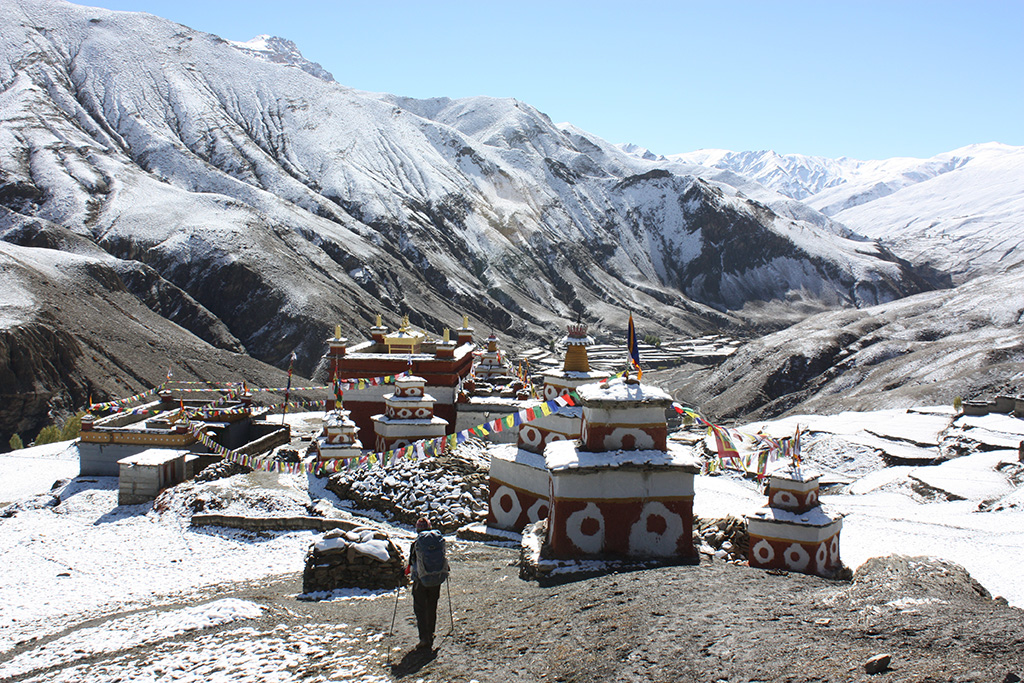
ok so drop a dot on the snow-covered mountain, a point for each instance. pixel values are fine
(257, 204)
(282, 51)
(959, 212)
(794, 175)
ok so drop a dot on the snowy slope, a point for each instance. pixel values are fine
(281, 51)
(272, 203)
(965, 219)
(957, 212)
(930, 348)
(793, 175)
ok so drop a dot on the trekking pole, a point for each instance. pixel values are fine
(391, 631)
(451, 615)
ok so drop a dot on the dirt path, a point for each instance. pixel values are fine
(712, 622)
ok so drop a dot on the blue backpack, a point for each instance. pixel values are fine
(431, 563)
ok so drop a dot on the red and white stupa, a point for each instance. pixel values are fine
(490, 365)
(408, 416)
(575, 370)
(519, 480)
(339, 438)
(623, 490)
(443, 363)
(566, 423)
(794, 531)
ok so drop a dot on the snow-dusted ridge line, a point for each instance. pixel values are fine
(279, 50)
(954, 211)
(181, 147)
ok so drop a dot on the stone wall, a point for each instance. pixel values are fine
(278, 437)
(360, 558)
(450, 492)
(275, 523)
(1003, 405)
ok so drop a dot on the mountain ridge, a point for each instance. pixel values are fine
(949, 211)
(257, 205)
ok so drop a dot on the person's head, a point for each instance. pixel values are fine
(422, 524)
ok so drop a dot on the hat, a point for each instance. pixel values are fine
(422, 524)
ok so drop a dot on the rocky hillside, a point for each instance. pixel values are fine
(80, 325)
(249, 203)
(922, 350)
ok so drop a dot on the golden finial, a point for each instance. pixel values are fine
(337, 331)
(378, 320)
(465, 321)
(447, 336)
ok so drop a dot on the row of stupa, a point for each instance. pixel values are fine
(611, 484)
(603, 474)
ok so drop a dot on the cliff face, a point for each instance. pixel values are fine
(39, 375)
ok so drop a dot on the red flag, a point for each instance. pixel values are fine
(726, 448)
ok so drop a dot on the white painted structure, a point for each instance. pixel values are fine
(144, 475)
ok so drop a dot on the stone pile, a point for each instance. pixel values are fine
(724, 538)
(362, 558)
(221, 470)
(450, 492)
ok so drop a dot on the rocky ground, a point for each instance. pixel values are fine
(715, 621)
(711, 622)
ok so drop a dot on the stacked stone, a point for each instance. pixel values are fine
(724, 539)
(363, 558)
(449, 495)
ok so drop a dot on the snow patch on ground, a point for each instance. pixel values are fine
(128, 632)
(87, 558)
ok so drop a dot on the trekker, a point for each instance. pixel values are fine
(428, 568)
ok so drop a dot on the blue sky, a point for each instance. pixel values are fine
(863, 79)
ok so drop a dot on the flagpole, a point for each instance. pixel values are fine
(288, 389)
(634, 350)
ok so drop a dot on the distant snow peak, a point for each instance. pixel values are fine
(638, 151)
(793, 175)
(279, 50)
